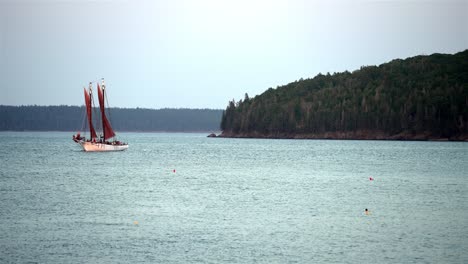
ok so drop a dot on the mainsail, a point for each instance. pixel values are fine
(106, 127)
(89, 111)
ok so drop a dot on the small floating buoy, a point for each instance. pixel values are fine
(173, 170)
(135, 222)
(371, 179)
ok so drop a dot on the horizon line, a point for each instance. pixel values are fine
(117, 107)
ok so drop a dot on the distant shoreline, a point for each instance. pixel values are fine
(319, 136)
(71, 118)
(355, 135)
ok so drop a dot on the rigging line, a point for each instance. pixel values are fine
(84, 117)
(94, 81)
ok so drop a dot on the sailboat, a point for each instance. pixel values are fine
(101, 143)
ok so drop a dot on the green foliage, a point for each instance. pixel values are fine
(420, 95)
(70, 118)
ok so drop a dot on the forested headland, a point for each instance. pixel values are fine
(72, 118)
(419, 98)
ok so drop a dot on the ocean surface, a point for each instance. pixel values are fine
(185, 198)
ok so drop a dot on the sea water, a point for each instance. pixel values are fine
(185, 198)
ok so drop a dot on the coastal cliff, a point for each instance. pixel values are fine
(419, 98)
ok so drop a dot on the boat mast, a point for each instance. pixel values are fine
(103, 107)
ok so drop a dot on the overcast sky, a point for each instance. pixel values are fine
(203, 53)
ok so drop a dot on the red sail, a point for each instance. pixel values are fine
(88, 111)
(106, 127)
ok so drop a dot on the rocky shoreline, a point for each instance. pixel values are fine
(355, 135)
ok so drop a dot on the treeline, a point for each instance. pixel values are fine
(423, 97)
(72, 118)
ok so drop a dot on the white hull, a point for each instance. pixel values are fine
(101, 147)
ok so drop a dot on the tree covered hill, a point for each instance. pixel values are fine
(72, 118)
(423, 97)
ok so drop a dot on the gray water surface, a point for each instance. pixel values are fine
(232, 201)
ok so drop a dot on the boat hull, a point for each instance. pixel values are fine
(101, 147)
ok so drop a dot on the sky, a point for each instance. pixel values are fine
(204, 53)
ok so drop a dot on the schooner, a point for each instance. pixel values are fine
(101, 143)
